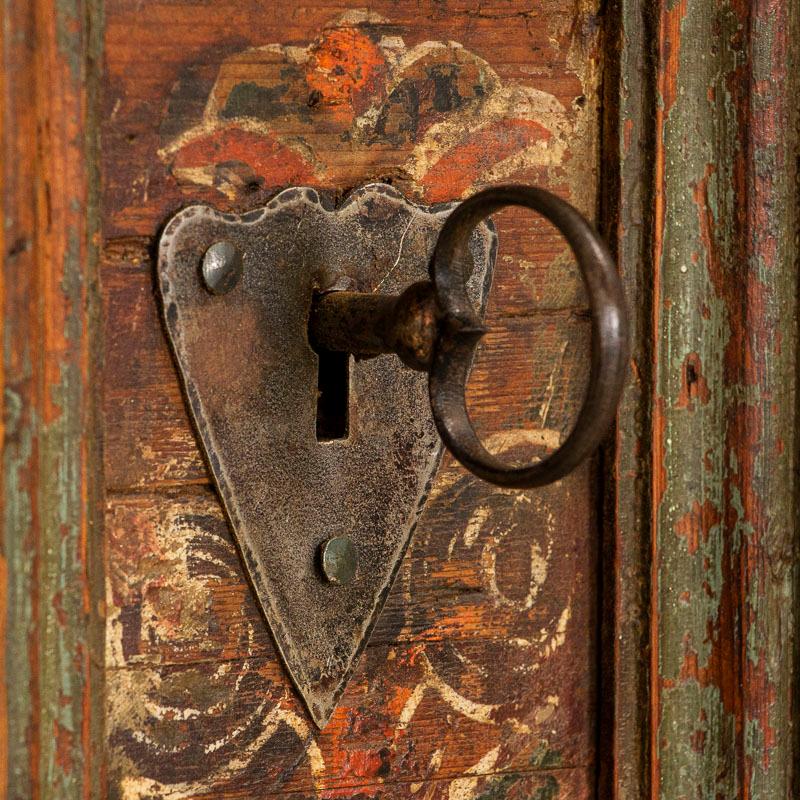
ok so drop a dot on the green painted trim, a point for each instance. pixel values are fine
(725, 446)
(51, 479)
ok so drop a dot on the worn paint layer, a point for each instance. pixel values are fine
(469, 679)
(201, 699)
(49, 462)
(724, 445)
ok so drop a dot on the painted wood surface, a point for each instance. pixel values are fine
(506, 664)
(724, 442)
(52, 691)
(480, 678)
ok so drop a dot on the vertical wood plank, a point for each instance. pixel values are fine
(724, 446)
(628, 98)
(49, 444)
(768, 440)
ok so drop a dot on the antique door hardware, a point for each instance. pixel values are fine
(433, 327)
(321, 444)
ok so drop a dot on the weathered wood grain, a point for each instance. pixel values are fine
(455, 585)
(724, 596)
(627, 212)
(51, 688)
(484, 651)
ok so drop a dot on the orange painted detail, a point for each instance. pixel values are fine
(65, 743)
(659, 454)
(355, 106)
(455, 172)
(672, 19)
(346, 68)
(627, 134)
(745, 432)
(217, 156)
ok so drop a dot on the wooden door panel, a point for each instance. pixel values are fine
(136, 664)
(480, 677)
(469, 687)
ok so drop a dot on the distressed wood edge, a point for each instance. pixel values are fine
(51, 719)
(94, 20)
(781, 614)
(625, 199)
(629, 764)
(722, 717)
(788, 322)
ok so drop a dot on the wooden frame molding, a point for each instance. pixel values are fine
(724, 443)
(703, 208)
(724, 447)
(52, 666)
(627, 216)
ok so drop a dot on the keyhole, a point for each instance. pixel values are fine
(333, 395)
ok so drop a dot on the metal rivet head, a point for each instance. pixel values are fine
(222, 267)
(339, 559)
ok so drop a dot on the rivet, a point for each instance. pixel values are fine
(339, 559)
(222, 267)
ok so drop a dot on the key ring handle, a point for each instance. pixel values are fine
(461, 329)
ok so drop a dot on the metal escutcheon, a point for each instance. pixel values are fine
(323, 461)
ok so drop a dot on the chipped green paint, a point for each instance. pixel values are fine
(63, 614)
(544, 757)
(70, 35)
(509, 785)
(17, 518)
(47, 625)
(503, 788)
(49, 457)
(724, 445)
(44, 509)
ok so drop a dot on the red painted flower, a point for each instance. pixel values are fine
(358, 105)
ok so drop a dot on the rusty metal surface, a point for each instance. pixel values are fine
(250, 376)
(367, 324)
